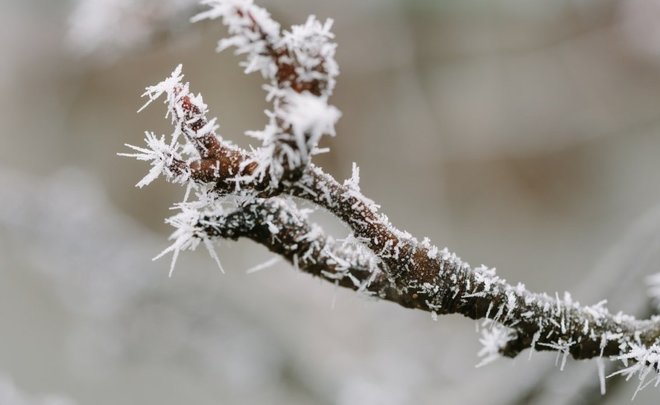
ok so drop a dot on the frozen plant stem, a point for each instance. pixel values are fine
(233, 193)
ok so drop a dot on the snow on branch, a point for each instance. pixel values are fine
(233, 193)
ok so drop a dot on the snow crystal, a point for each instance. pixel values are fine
(191, 225)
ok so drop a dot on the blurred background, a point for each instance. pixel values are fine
(523, 134)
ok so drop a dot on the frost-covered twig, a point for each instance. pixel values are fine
(300, 69)
(280, 226)
(247, 194)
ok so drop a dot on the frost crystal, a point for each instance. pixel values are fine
(161, 156)
(261, 266)
(494, 338)
(563, 350)
(167, 86)
(311, 48)
(191, 227)
(253, 32)
(645, 361)
(309, 117)
(300, 67)
(188, 115)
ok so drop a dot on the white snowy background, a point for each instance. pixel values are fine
(522, 134)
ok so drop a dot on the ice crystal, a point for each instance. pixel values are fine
(161, 156)
(563, 350)
(192, 223)
(253, 32)
(309, 117)
(311, 48)
(262, 266)
(600, 364)
(300, 70)
(645, 365)
(167, 86)
(494, 338)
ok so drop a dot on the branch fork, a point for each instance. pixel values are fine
(248, 194)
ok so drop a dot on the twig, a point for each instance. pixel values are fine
(247, 194)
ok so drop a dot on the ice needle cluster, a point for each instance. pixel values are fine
(300, 70)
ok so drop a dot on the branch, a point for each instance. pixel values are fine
(300, 69)
(248, 194)
(277, 224)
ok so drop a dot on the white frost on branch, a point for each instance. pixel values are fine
(494, 338)
(312, 51)
(563, 350)
(291, 137)
(353, 183)
(645, 364)
(307, 48)
(161, 156)
(187, 112)
(184, 108)
(309, 117)
(190, 224)
(252, 32)
(300, 68)
(167, 86)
